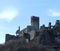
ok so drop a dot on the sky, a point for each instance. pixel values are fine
(14, 13)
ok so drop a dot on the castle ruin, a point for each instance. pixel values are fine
(47, 35)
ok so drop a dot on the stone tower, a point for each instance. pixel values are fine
(35, 22)
(57, 23)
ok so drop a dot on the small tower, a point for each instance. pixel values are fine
(18, 31)
(57, 24)
(35, 22)
(49, 25)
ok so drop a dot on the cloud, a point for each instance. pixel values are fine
(8, 14)
(54, 13)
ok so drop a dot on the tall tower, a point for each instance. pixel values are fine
(35, 22)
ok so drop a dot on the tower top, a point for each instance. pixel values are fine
(34, 18)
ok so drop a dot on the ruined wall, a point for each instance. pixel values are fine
(10, 37)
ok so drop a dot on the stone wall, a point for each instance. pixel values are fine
(10, 37)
